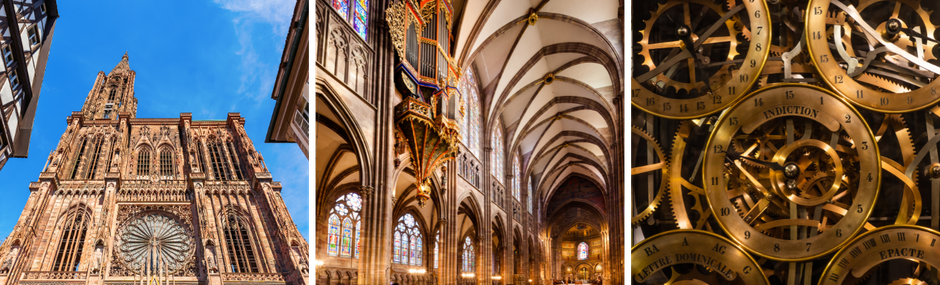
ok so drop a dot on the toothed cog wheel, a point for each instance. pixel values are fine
(648, 167)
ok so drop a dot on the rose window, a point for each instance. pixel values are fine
(155, 244)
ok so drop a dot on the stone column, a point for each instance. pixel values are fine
(616, 191)
(375, 241)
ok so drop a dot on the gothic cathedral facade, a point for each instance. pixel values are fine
(127, 200)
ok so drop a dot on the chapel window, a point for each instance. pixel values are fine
(357, 15)
(517, 176)
(467, 257)
(471, 118)
(497, 154)
(342, 234)
(582, 251)
(408, 243)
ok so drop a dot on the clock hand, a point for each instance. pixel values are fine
(912, 33)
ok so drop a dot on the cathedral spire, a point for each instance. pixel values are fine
(124, 65)
(113, 93)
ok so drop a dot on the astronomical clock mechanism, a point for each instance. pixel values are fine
(785, 142)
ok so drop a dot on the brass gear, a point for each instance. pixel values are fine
(682, 190)
(663, 80)
(688, 69)
(908, 281)
(886, 71)
(661, 166)
(811, 224)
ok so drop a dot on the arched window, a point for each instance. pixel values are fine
(143, 161)
(111, 96)
(69, 253)
(232, 155)
(220, 169)
(241, 251)
(582, 251)
(408, 242)
(497, 153)
(517, 177)
(529, 198)
(437, 245)
(470, 121)
(78, 158)
(344, 214)
(166, 162)
(467, 255)
(357, 16)
(93, 157)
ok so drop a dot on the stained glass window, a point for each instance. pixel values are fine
(358, 15)
(357, 238)
(396, 257)
(333, 249)
(582, 251)
(529, 199)
(359, 21)
(404, 249)
(467, 255)
(343, 239)
(437, 243)
(516, 179)
(470, 121)
(341, 6)
(408, 250)
(497, 152)
(344, 249)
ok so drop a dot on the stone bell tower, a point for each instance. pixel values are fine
(112, 93)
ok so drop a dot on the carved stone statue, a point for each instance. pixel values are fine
(6, 266)
(8, 263)
(210, 260)
(96, 261)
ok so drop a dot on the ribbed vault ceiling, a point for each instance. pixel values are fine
(563, 128)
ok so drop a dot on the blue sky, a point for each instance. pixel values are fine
(204, 57)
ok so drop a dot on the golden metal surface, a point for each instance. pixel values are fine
(863, 80)
(722, 258)
(899, 242)
(660, 166)
(695, 97)
(832, 127)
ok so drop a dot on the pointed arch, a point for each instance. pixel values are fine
(344, 226)
(470, 116)
(497, 155)
(74, 227)
(357, 140)
(239, 242)
(167, 168)
(143, 159)
(409, 240)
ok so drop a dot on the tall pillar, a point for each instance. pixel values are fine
(374, 243)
